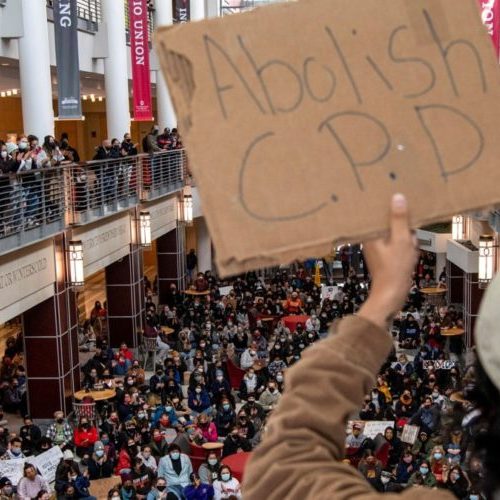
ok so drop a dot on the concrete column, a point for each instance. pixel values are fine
(115, 69)
(204, 246)
(165, 110)
(213, 8)
(197, 10)
(34, 70)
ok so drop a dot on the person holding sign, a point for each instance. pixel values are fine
(302, 451)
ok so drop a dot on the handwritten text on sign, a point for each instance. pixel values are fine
(297, 113)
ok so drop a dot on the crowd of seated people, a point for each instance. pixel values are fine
(221, 372)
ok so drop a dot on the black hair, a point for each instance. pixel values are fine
(486, 397)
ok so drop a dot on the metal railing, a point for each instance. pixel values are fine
(100, 188)
(88, 11)
(31, 203)
(39, 203)
(228, 7)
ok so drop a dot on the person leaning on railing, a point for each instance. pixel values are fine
(7, 169)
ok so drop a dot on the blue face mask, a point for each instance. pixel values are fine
(175, 455)
(226, 407)
(424, 471)
(168, 409)
(225, 476)
(473, 497)
(438, 456)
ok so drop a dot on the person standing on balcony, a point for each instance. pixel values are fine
(7, 168)
(129, 149)
(150, 146)
(165, 139)
(104, 171)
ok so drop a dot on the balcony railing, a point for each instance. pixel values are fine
(88, 11)
(40, 203)
(228, 7)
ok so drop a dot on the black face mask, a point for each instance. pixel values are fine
(161, 487)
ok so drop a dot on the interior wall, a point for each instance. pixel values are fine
(85, 135)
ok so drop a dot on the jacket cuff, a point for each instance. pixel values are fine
(364, 341)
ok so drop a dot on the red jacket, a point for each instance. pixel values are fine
(85, 437)
(124, 461)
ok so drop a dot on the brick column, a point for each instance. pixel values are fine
(125, 297)
(454, 283)
(51, 347)
(171, 260)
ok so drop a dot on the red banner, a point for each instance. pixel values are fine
(139, 49)
(490, 14)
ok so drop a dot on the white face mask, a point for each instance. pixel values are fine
(4, 154)
(385, 480)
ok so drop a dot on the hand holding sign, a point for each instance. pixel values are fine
(316, 112)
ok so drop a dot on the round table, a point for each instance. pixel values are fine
(434, 295)
(212, 446)
(237, 463)
(166, 330)
(95, 395)
(458, 397)
(195, 293)
(452, 332)
(291, 322)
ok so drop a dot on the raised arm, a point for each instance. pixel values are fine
(301, 453)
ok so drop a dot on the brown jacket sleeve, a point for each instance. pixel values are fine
(301, 453)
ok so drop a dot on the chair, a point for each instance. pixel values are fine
(235, 373)
(85, 408)
(197, 455)
(150, 347)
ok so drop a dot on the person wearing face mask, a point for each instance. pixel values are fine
(114, 494)
(85, 435)
(99, 465)
(225, 417)
(30, 435)
(125, 457)
(405, 468)
(428, 417)
(235, 442)
(60, 432)
(199, 400)
(158, 444)
(270, 397)
(80, 483)
(128, 146)
(209, 470)
(439, 464)
(148, 459)
(160, 491)
(7, 205)
(219, 387)
(251, 384)
(14, 450)
(6, 489)
(176, 469)
(227, 486)
(423, 476)
(249, 357)
(457, 482)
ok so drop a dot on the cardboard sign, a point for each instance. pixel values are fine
(301, 120)
(225, 290)
(371, 428)
(329, 292)
(409, 434)
(438, 364)
(13, 469)
(47, 463)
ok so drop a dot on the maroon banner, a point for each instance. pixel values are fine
(490, 14)
(139, 49)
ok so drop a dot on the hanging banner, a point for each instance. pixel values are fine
(68, 67)
(139, 49)
(490, 15)
(182, 13)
